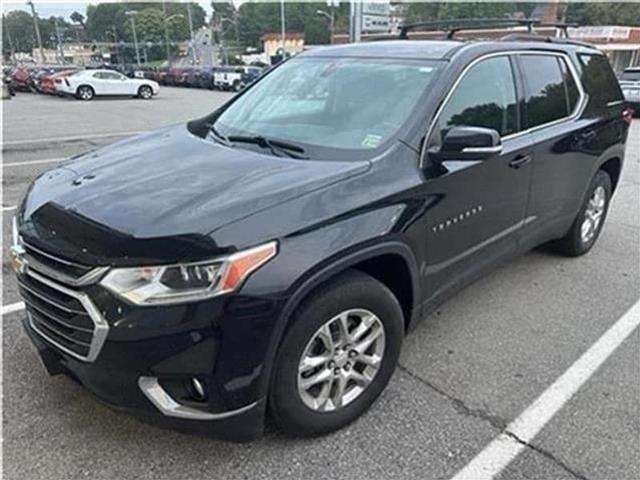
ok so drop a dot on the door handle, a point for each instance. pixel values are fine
(520, 161)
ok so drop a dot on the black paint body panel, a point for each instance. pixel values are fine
(172, 196)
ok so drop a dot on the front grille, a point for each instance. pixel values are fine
(64, 317)
(61, 269)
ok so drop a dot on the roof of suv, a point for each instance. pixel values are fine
(432, 49)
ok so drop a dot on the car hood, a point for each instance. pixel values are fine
(124, 199)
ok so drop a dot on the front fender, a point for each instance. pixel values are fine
(307, 260)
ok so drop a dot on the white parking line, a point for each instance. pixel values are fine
(9, 209)
(34, 162)
(506, 447)
(70, 139)
(13, 307)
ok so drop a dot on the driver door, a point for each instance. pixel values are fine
(480, 204)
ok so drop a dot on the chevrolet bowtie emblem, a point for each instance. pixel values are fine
(17, 260)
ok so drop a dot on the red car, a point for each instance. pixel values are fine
(48, 83)
(22, 78)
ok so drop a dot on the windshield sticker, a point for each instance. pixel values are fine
(371, 141)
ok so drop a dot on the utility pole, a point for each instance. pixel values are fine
(282, 28)
(132, 14)
(331, 18)
(166, 32)
(193, 45)
(35, 24)
(355, 20)
(60, 49)
(11, 47)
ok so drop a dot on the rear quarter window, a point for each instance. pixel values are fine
(551, 93)
(599, 82)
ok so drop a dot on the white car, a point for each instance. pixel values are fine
(87, 84)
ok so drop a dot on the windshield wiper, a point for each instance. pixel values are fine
(290, 149)
(220, 138)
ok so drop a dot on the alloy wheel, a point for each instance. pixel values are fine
(145, 93)
(86, 93)
(593, 214)
(341, 360)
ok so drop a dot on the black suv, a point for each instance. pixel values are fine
(273, 254)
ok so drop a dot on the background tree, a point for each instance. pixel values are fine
(604, 13)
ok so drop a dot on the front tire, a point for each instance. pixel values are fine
(337, 357)
(85, 93)
(145, 92)
(587, 226)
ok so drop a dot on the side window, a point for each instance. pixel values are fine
(545, 96)
(571, 91)
(599, 81)
(98, 75)
(485, 97)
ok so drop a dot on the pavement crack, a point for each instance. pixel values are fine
(547, 454)
(495, 421)
(458, 404)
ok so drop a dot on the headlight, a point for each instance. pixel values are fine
(168, 284)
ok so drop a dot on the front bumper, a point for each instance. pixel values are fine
(151, 355)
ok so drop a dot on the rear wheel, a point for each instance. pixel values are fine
(145, 92)
(337, 357)
(85, 93)
(587, 226)
(237, 86)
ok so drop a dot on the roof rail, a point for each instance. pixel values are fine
(518, 37)
(562, 26)
(450, 27)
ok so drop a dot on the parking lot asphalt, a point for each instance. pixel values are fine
(466, 371)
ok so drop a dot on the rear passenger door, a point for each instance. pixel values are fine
(481, 206)
(561, 166)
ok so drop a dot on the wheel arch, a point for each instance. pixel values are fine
(613, 168)
(85, 85)
(394, 254)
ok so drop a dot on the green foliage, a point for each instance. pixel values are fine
(417, 12)
(613, 13)
(257, 18)
(104, 17)
(18, 31)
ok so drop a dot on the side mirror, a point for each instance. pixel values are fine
(470, 143)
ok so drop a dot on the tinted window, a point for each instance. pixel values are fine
(630, 76)
(599, 81)
(571, 91)
(485, 97)
(545, 96)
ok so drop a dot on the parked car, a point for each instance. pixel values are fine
(250, 75)
(7, 81)
(630, 84)
(161, 75)
(21, 78)
(87, 84)
(49, 83)
(228, 78)
(275, 252)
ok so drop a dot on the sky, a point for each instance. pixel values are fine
(47, 8)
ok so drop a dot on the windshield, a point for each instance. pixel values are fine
(339, 103)
(631, 75)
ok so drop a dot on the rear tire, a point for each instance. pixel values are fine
(145, 92)
(353, 372)
(587, 225)
(85, 93)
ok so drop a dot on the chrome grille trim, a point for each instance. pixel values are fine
(91, 275)
(54, 258)
(101, 327)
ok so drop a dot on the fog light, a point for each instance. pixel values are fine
(198, 392)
